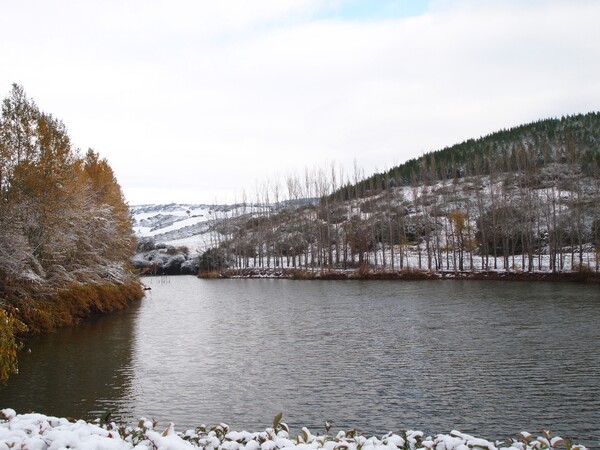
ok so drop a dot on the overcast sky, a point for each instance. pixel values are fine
(195, 100)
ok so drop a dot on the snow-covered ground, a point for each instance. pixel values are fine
(191, 227)
(41, 432)
(178, 233)
(181, 225)
(169, 222)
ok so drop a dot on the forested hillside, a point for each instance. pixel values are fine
(569, 140)
(66, 239)
(524, 200)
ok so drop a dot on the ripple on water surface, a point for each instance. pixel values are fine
(488, 358)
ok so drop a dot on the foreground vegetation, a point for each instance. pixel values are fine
(66, 240)
(39, 431)
(525, 200)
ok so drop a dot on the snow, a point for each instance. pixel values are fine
(193, 227)
(152, 220)
(182, 224)
(40, 432)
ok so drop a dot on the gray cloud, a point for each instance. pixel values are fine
(193, 101)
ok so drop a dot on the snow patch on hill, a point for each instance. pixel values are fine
(172, 236)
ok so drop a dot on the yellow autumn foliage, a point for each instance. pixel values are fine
(65, 232)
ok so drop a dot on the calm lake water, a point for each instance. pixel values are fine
(488, 358)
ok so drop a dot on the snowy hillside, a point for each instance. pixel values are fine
(175, 224)
(170, 237)
(191, 226)
(520, 200)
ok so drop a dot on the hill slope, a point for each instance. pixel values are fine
(520, 200)
(571, 139)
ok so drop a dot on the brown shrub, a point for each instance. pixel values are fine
(73, 304)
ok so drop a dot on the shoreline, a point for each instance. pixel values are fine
(37, 430)
(404, 275)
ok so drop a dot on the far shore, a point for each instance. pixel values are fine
(406, 275)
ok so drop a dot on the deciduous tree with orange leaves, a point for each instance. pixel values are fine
(64, 224)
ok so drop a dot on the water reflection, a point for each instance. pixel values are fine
(484, 357)
(81, 372)
(487, 358)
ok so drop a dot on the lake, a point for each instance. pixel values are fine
(486, 358)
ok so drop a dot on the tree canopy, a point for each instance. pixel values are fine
(63, 215)
(65, 230)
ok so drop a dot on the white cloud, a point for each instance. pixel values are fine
(197, 99)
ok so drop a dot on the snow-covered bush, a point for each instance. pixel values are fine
(37, 431)
(162, 259)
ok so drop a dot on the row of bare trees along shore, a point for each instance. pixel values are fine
(524, 200)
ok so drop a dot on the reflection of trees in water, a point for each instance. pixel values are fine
(81, 371)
